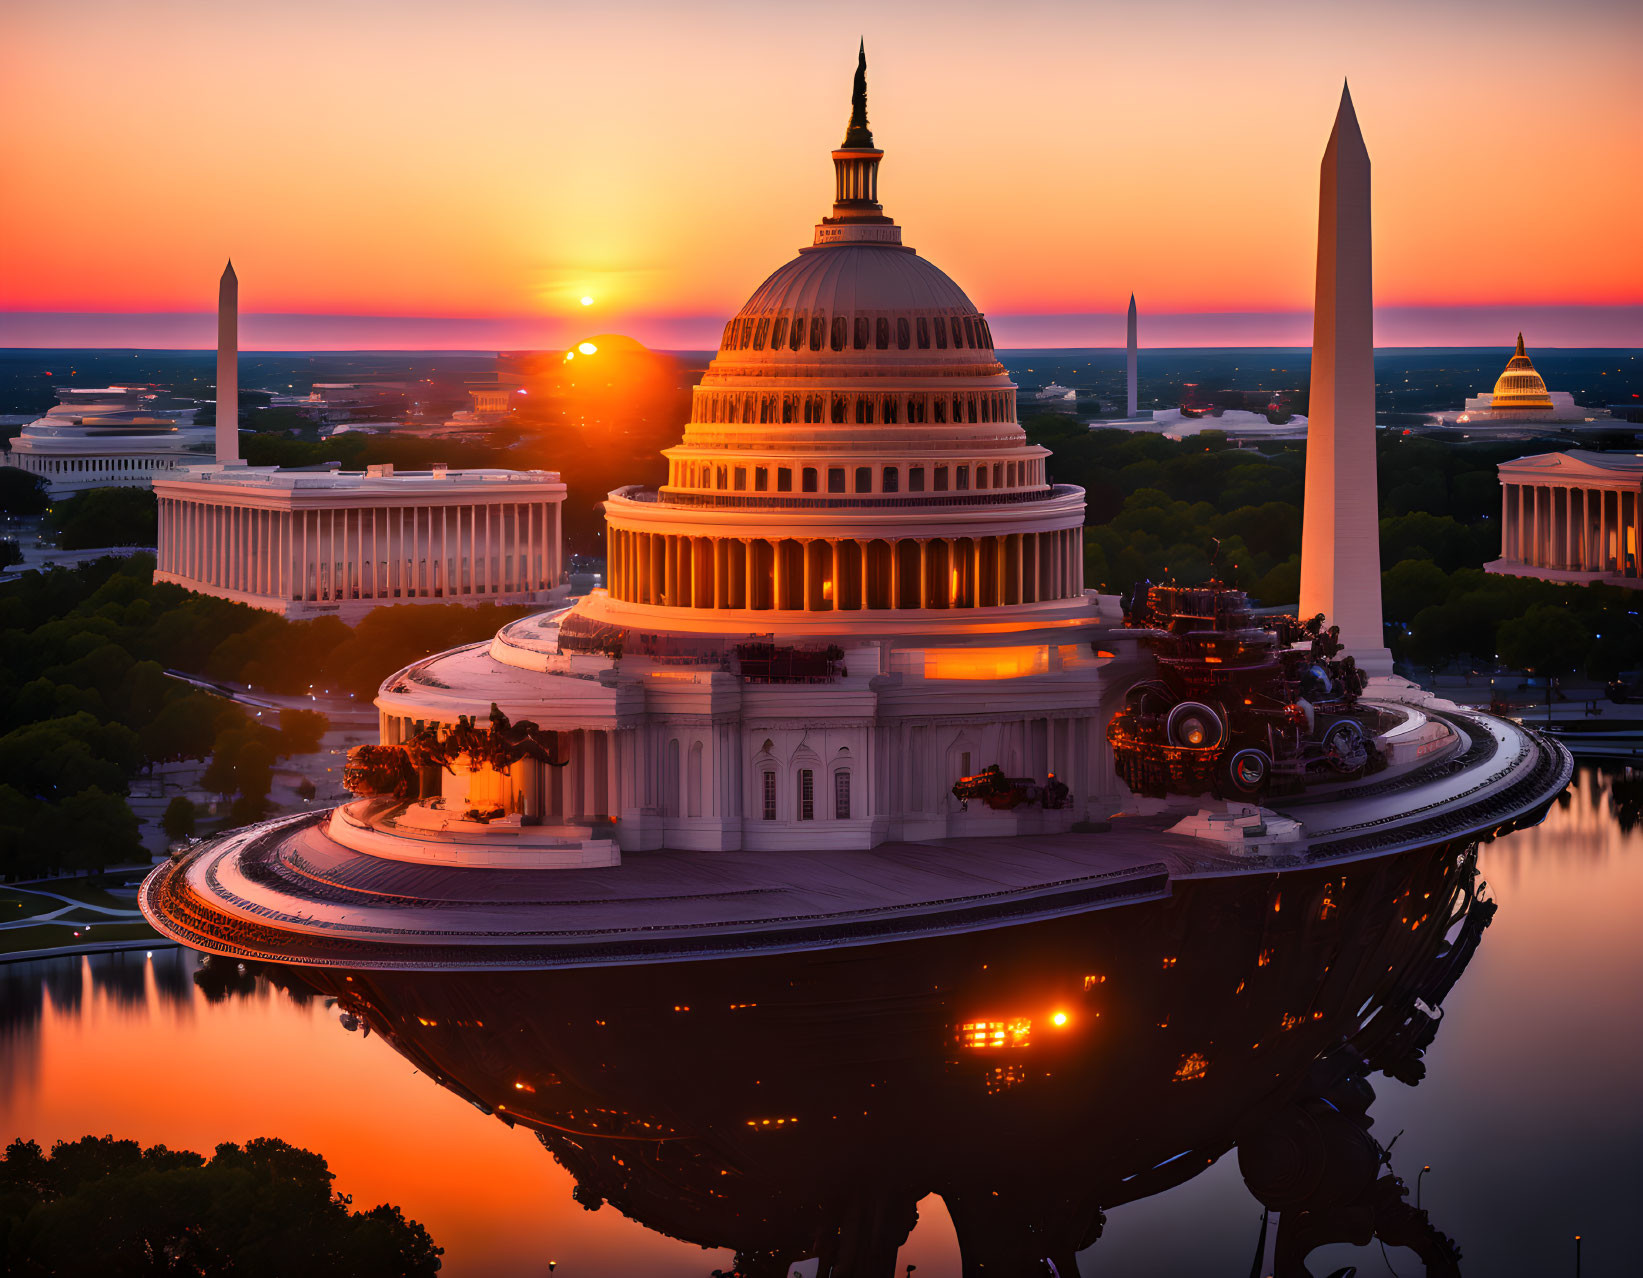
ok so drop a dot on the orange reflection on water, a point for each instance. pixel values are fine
(177, 1072)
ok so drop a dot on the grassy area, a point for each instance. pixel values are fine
(48, 936)
(19, 903)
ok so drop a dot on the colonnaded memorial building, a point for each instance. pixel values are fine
(308, 543)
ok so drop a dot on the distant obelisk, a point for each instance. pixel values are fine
(1129, 365)
(1340, 537)
(228, 368)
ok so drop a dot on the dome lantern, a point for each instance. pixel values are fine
(857, 215)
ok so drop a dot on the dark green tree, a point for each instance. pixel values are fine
(22, 493)
(106, 517)
(106, 1207)
(180, 817)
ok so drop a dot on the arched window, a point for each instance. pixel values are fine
(809, 479)
(747, 334)
(940, 322)
(981, 477)
(693, 781)
(969, 332)
(670, 795)
(841, 333)
(835, 479)
(864, 410)
(807, 794)
(796, 339)
(769, 795)
(904, 334)
(778, 333)
(864, 479)
(915, 409)
(861, 332)
(923, 333)
(891, 479)
(818, 330)
(839, 407)
(760, 333)
(784, 479)
(841, 795)
(889, 413)
(724, 342)
(881, 334)
(941, 409)
(986, 408)
(789, 403)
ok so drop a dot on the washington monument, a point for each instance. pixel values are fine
(1340, 538)
(228, 367)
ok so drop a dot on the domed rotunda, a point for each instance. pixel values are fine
(1519, 388)
(857, 585)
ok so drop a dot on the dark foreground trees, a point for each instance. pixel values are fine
(106, 1207)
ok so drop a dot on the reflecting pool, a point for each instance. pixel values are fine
(1131, 1088)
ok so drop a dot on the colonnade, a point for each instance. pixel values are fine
(738, 476)
(1572, 527)
(713, 406)
(361, 552)
(828, 574)
(96, 471)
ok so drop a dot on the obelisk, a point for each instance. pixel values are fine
(1129, 364)
(1340, 536)
(228, 368)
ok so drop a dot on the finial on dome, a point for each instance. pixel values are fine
(858, 137)
(1520, 349)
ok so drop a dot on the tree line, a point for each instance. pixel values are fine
(86, 704)
(1160, 509)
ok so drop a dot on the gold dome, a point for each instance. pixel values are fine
(1520, 389)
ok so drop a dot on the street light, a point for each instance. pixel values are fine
(1424, 1170)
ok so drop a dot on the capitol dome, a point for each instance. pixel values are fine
(1520, 388)
(853, 448)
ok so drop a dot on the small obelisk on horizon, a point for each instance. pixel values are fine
(228, 368)
(1129, 365)
(1340, 534)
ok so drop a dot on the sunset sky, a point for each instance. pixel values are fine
(462, 174)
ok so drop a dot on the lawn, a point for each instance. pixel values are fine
(47, 936)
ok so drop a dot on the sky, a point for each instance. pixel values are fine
(418, 174)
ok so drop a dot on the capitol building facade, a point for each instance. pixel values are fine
(857, 586)
(118, 436)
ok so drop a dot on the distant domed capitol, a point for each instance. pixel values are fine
(1520, 398)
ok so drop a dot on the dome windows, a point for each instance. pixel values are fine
(792, 331)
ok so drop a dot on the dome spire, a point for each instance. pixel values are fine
(1520, 349)
(858, 137)
(858, 217)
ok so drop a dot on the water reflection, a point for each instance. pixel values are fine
(1033, 1077)
(938, 1067)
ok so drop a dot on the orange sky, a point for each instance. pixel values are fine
(499, 159)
